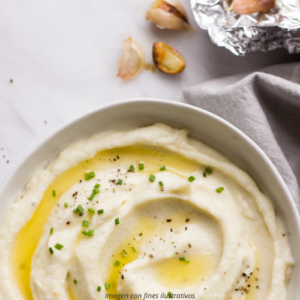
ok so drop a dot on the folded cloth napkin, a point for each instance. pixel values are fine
(265, 105)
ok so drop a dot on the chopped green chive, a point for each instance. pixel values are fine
(117, 221)
(131, 168)
(79, 209)
(95, 191)
(58, 246)
(152, 178)
(100, 211)
(141, 167)
(163, 168)
(183, 259)
(51, 251)
(107, 285)
(89, 175)
(117, 263)
(120, 181)
(99, 289)
(161, 183)
(51, 230)
(54, 193)
(220, 189)
(85, 223)
(91, 210)
(204, 174)
(91, 232)
(92, 196)
(133, 249)
(75, 281)
(66, 205)
(170, 295)
(84, 232)
(208, 171)
(191, 178)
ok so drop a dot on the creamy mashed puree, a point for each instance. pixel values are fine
(142, 211)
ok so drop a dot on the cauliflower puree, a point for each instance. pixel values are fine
(141, 211)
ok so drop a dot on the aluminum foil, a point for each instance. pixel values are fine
(278, 28)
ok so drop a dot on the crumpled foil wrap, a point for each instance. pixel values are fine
(277, 28)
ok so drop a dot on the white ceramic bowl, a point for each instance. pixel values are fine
(204, 126)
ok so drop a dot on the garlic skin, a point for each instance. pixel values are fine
(244, 7)
(132, 60)
(168, 14)
(167, 59)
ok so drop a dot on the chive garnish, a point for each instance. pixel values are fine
(95, 191)
(204, 174)
(131, 168)
(220, 189)
(84, 232)
(107, 285)
(51, 251)
(133, 249)
(187, 261)
(152, 178)
(75, 281)
(85, 223)
(54, 193)
(79, 209)
(99, 289)
(117, 263)
(58, 246)
(161, 183)
(141, 167)
(66, 205)
(163, 168)
(191, 178)
(208, 171)
(120, 181)
(170, 295)
(92, 196)
(91, 210)
(100, 211)
(182, 258)
(117, 221)
(91, 232)
(51, 230)
(89, 175)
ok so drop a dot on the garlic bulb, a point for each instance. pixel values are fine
(169, 14)
(167, 59)
(251, 6)
(132, 60)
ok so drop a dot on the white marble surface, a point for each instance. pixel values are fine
(62, 57)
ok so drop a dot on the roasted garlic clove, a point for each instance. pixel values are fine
(167, 59)
(244, 7)
(169, 14)
(132, 60)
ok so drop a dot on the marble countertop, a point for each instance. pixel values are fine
(59, 58)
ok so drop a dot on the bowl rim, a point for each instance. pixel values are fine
(168, 102)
